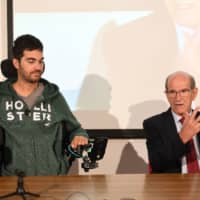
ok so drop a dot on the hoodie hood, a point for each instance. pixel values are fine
(50, 90)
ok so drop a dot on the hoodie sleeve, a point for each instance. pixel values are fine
(73, 127)
(1, 147)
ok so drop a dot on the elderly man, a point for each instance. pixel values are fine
(173, 136)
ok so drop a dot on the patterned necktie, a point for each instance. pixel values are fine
(191, 156)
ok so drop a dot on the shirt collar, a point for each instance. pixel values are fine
(177, 117)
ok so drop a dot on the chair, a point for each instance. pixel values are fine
(7, 69)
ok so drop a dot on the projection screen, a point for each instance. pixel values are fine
(110, 58)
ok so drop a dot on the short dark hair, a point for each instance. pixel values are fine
(25, 42)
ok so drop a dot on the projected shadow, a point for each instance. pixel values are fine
(138, 55)
(139, 112)
(129, 55)
(93, 106)
(130, 161)
(94, 103)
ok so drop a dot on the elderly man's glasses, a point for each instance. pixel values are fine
(182, 93)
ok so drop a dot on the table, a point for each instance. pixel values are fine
(109, 187)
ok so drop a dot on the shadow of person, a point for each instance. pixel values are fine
(130, 161)
(138, 112)
(128, 55)
(134, 52)
(93, 106)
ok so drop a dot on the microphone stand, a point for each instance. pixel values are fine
(20, 189)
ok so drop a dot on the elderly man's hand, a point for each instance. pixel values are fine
(191, 125)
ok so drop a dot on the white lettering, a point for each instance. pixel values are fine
(36, 108)
(44, 116)
(43, 107)
(49, 107)
(48, 117)
(10, 116)
(36, 116)
(20, 114)
(9, 105)
(19, 105)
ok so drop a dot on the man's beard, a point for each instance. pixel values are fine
(29, 78)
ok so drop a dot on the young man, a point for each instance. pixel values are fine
(34, 117)
(169, 134)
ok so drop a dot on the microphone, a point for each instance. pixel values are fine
(20, 187)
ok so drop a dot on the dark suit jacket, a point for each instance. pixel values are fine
(165, 148)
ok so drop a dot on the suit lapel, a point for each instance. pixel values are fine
(169, 120)
(171, 130)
